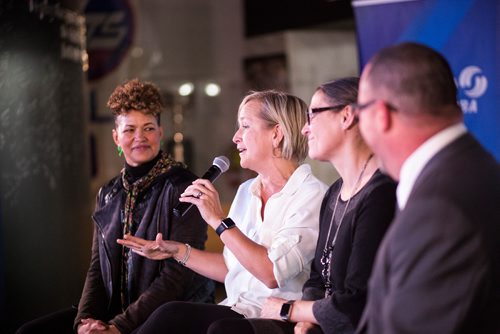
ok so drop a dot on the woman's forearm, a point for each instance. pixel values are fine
(251, 255)
(208, 264)
(302, 310)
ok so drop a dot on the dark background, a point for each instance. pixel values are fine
(265, 16)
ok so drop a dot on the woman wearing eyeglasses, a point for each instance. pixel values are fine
(355, 214)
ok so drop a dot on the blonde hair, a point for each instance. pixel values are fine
(290, 113)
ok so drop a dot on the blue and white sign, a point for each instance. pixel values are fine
(466, 32)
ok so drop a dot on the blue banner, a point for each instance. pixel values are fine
(466, 32)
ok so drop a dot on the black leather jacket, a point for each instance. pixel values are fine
(152, 283)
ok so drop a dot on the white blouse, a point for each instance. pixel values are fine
(289, 231)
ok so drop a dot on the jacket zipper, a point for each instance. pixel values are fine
(108, 262)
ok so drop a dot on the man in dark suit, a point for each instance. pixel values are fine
(438, 268)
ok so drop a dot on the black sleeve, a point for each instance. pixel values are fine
(94, 301)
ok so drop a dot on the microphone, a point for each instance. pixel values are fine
(219, 166)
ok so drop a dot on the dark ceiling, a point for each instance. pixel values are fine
(265, 16)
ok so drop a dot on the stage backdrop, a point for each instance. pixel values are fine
(467, 32)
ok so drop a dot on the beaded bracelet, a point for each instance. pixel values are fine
(186, 255)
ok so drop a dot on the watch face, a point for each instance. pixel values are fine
(225, 225)
(285, 311)
(228, 223)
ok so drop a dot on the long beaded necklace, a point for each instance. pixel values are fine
(326, 257)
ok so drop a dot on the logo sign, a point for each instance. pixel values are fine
(110, 28)
(473, 84)
(465, 32)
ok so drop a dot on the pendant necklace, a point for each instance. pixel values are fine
(326, 257)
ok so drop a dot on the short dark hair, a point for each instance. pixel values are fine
(136, 95)
(342, 91)
(418, 74)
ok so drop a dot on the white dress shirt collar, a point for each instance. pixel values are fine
(415, 163)
(291, 186)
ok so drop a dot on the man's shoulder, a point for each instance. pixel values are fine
(461, 168)
(465, 153)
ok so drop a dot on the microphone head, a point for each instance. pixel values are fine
(222, 162)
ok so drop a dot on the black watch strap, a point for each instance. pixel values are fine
(286, 310)
(226, 224)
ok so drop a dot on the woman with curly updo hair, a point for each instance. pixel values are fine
(136, 95)
(122, 288)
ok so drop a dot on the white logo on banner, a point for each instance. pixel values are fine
(474, 84)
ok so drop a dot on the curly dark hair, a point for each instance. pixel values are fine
(136, 95)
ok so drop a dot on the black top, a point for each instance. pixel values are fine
(366, 220)
(134, 173)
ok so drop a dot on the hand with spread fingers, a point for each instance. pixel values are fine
(203, 194)
(158, 249)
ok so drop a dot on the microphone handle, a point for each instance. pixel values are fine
(181, 209)
(211, 174)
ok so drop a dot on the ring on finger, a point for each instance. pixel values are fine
(199, 194)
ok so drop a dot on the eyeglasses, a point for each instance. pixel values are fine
(359, 107)
(313, 111)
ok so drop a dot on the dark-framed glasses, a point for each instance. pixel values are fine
(359, 107)
(312, 111)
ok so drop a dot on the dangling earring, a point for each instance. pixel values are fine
(120, 150)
